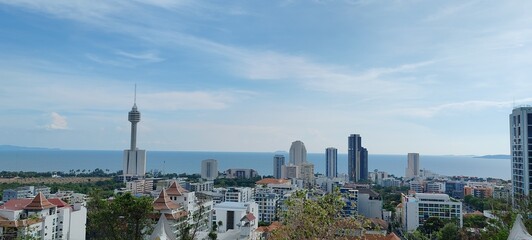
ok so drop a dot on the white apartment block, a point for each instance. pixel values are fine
(416, 209)
(239, 194)
(390, 182)
(241, 173)
(42, 218)
(279, 186)
(435, 187)
(205, 186)
(416, 186)
(267, 202)
(237, 216)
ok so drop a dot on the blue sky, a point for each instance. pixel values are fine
(435, 77)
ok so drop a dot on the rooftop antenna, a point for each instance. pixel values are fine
(135, 97)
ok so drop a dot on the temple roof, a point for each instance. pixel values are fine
(175, 189)
(163, 202)
(39, 203)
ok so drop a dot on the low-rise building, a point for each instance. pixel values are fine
(236, 216)
(240, 173)
(42, 218)
(417, 208)
(239, 194)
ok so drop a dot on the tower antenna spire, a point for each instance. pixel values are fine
(135, 96)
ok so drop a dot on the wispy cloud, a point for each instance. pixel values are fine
(61, 91)
(449, 10)
(58, 122)
(474, 105)
(195, 100)
(248, 63)
(125, 59)
(144, 56)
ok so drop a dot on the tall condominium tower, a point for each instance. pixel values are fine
(331, 162)
(521, 149)
(134, 158)
(209, 169)
(412, 169)
(357, 159)
(298, 153)
(278, 163)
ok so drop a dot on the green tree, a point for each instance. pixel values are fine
(431, 225)
(124, 217)
(318, 218)
(449, 232)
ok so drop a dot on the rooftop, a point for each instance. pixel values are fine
(272, 181)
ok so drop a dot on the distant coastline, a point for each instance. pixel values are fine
(20, 148)
(497, 156)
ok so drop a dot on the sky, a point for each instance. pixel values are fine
(434, 77)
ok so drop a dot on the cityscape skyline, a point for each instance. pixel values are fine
(251, 76)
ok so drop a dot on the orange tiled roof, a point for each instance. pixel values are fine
(272, 181)
(16, 204)
(39, 203)
(163, 202)
(175, 189)
(59, 203)
(273, 226)
(249, 217)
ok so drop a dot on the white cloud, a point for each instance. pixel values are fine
(175, 100)
(144, 56)
(475, 105)
(58, 122)
(449, 10)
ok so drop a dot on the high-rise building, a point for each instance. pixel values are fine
(412, 169)
(357, 159)
(278, 162)
(521, 148)
(134, 158)
(298, 153)
(209, 169)
(331, 162)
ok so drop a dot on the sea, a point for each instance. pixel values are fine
(190, 162)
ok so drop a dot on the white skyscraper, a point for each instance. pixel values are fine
(331, 162)
(298, 153)
(412, 169)
(134, 158)
(278, 163)
(209, 169)
(520, 135)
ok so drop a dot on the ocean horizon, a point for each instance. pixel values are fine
(190, 162)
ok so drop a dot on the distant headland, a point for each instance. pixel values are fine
(497, 156)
